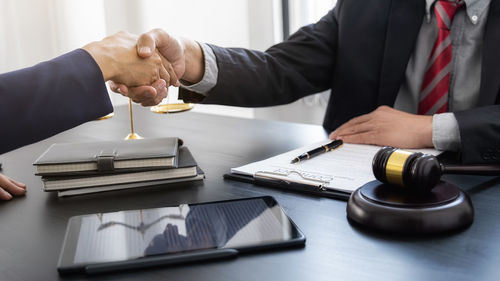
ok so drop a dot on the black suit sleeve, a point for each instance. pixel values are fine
(50, 97)
(300, 66)
(480, 134)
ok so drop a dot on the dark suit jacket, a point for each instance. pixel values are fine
(362, 57)
(50, 97)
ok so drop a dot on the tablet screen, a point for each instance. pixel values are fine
(127, 235)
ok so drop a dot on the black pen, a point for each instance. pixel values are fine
(311, 153)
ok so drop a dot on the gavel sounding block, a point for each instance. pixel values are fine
(393, 209)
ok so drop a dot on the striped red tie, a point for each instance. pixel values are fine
(436, 83)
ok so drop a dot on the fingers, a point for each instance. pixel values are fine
(387, 126)
(356, 120)
(150, 42)
(161, 91)
(149, 95)
(164, 74)
(363, 133)
(352, 126)
(19, 184)
(353, 129)
(9, 187)
(362, 138)
(174, 80)
(118, 88)
(4, 195)
(142, 93)
(113, 86)
(169, 47)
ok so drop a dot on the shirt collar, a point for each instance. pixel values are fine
(474, 9)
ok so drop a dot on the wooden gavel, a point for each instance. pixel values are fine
(419, 172)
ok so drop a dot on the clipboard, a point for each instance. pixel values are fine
(277, 183)
(335, 174)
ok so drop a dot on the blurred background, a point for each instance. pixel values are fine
(32, 31)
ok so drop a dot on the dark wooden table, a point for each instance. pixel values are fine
(32, 227)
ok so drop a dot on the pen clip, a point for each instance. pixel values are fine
(285, 177)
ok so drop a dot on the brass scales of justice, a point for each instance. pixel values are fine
(165, 108)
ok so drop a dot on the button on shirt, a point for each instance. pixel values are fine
(467, 31)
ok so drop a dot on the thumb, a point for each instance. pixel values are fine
(169, 46)
(146, 44)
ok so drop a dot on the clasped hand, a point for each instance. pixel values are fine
(184, 55)
(146, 64)
(126, 63)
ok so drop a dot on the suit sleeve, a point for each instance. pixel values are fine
(480, 134)
(300, 66)
(50, 97)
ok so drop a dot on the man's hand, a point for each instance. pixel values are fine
(145, 95)
(387, 126)
(169, 47)
(9, 187)
(117, 57)
(185, 55)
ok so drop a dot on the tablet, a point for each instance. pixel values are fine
(114, 241)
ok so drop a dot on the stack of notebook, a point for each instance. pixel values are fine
(80, 168)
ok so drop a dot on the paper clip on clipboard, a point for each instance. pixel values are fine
(302, 183)
(285, 177)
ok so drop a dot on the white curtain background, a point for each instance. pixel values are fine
(32, 31)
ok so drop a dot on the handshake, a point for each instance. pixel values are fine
(143, 67)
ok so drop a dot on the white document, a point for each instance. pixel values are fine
(344, 169)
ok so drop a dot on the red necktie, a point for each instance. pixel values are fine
(436, 83)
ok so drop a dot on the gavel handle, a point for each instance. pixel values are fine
(480, 170)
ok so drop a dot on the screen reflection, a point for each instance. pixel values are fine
(134, 234)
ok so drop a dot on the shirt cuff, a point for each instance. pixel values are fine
(445, 132)
(211, 73)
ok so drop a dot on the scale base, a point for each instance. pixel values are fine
(133, 136)
(392, 209)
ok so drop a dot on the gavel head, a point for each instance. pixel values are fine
(414, 171)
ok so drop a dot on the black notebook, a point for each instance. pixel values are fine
(164, 183)
(64, 159)
(187, 168)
